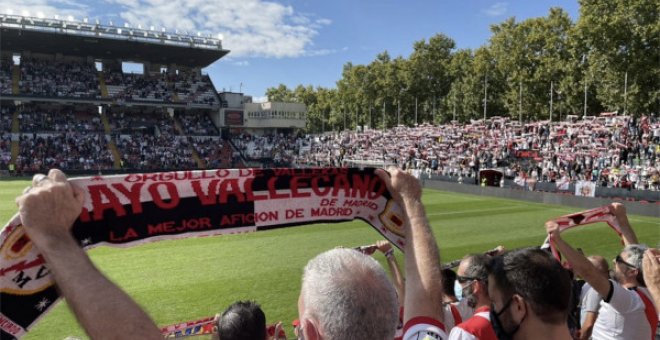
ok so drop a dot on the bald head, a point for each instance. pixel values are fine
(600, 263)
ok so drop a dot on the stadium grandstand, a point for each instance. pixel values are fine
(66, 101)
(86, 97)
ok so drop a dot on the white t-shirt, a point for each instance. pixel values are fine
(589, 301)
(423, 328)
(623, 317)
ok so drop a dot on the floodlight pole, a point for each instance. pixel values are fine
(625, 94)
(343, 113)
(433, 109)
(415, 110)
(454, 96)
(551, 85)
(485, 96)
(520, 103)
(585, 97)
(383, 115)
(371, 116)
(398, 111)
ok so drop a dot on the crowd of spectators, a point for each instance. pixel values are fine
(136, 87)
(5, 76)
(613, 151)
(71, 150)
(195, 88)
(6, 116)
(275, 149)
(184, 87)
(5, 151)
(150, 152)
(197, 124)
(58, 78)
(35, 119)
(216, 153)
(79, 79)
(129, 122)
(617, 151)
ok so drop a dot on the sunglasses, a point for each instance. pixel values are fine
(618, 259)
(464, 279)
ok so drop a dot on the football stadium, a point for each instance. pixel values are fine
(194, 198)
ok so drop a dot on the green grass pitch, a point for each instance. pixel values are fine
(190, 279)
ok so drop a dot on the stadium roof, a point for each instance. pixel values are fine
(51, 36)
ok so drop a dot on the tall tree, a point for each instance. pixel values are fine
(624, 38)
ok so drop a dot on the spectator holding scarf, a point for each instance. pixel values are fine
(357, 283)
(627, 311)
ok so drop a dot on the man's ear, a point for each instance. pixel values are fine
(519, 307)
(479, 286)
(632, 273)
(310, 329)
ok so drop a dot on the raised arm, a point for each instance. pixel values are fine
(581, 265)
(397, 279)
(651, 265)
(48, 211)
(423, 288)
(627, 232)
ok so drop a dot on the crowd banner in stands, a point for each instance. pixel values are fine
(126, 210)
(585, 188)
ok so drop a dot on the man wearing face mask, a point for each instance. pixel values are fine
(473, 280)
(530, 293)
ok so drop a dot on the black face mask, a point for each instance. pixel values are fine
(495, 321)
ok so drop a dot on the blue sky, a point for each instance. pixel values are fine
(302, 42)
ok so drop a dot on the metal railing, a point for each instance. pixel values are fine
(70, 27)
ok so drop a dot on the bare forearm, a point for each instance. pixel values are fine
(397, 278)
(620, 213)
(583, 268)
(423, 275)
(103, 310)
(655, 294)
(588, 326)
(627, 232)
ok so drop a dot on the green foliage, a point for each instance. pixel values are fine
(519, 65)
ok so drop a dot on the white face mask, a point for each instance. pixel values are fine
(458, 290)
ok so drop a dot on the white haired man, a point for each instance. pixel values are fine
(346, 294)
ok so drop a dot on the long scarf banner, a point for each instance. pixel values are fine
(127, 210)
(600, 214)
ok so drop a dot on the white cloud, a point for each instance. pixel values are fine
(242, 63)
(324, 22)
(262, 99)
(45, 8)
(496, 9)
(319, 53)
(251, 28)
